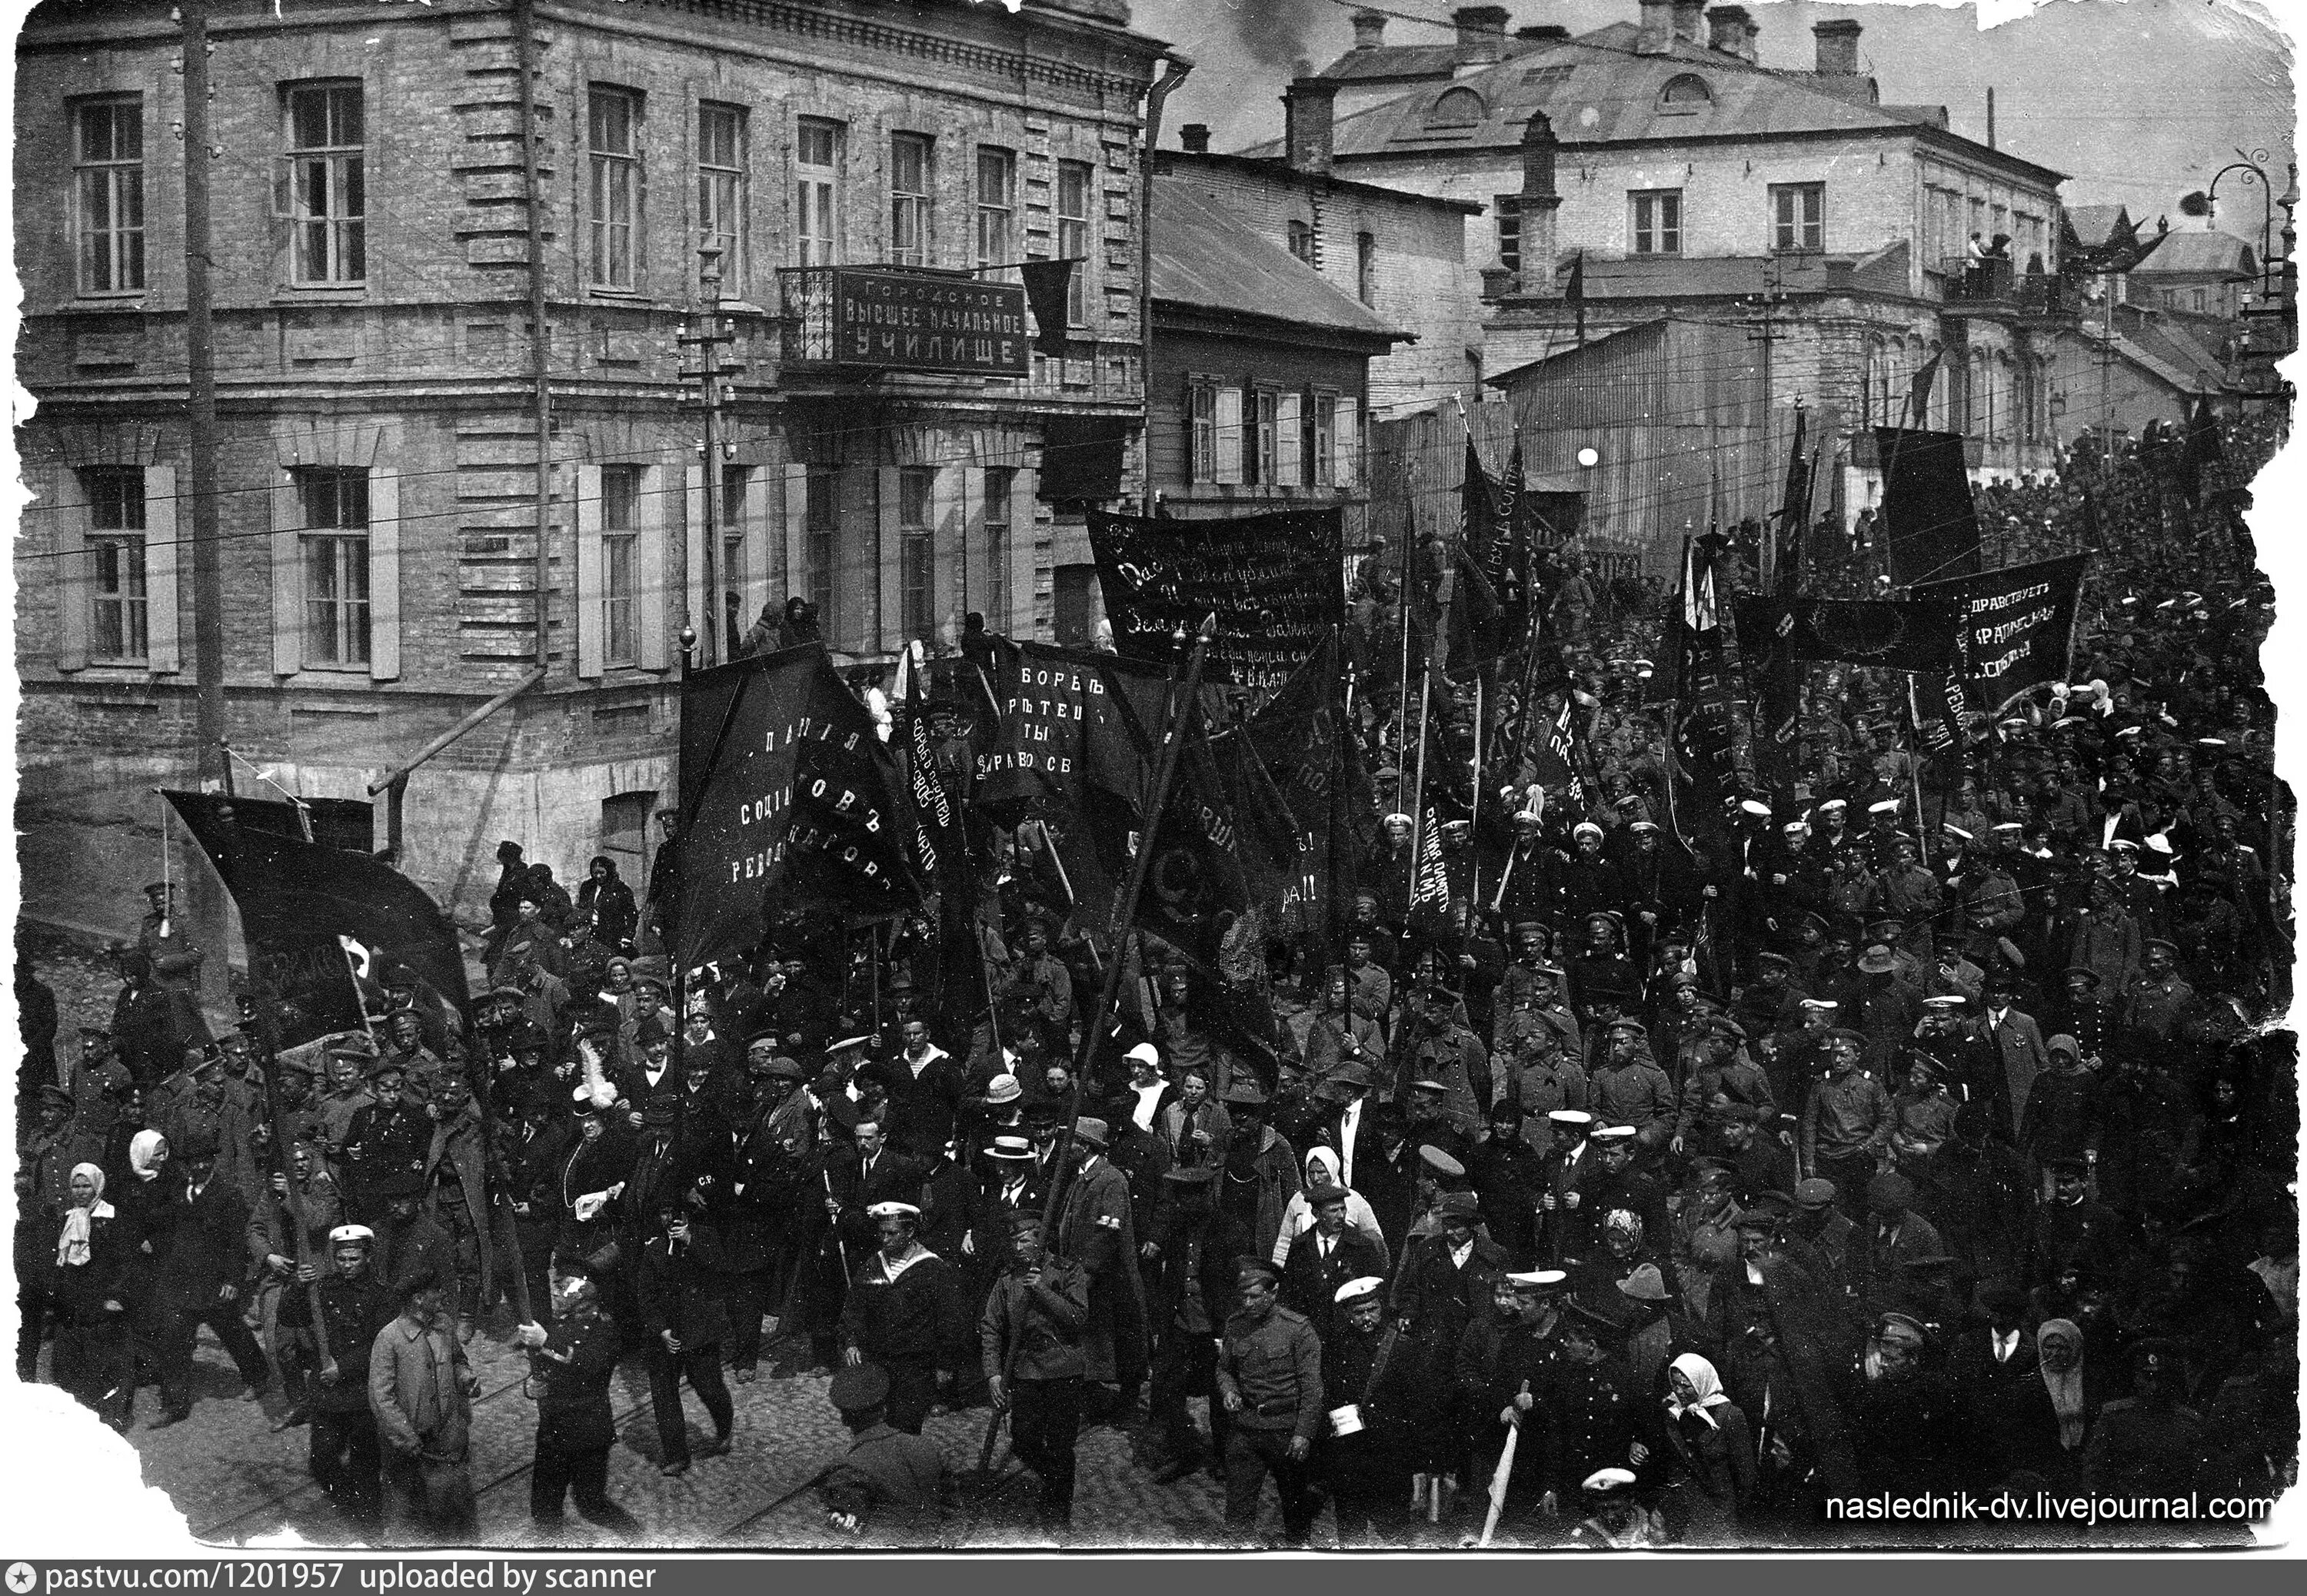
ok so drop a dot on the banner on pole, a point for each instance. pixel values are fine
(2016, 626)
(1912, 634)
(1932, 528)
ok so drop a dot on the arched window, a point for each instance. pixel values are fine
(1687, 92)
(1457, 107)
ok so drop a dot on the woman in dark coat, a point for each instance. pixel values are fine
(93, 1286)
(605, 903)
(1709, 1454)
(2050, 1417)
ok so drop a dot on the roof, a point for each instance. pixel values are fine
(1386, 62)
(1639, 334)
(2094, 226)
(1278, 170)
(2193, 253)
(2167, 340)
(1683, 277)
(1599, 89)
(1210, 259)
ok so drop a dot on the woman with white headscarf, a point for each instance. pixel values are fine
(1322, 1167)
(2051, 1415)
(1709, 1454)
(94, 1254)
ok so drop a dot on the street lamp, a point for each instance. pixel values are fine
(2247, 165)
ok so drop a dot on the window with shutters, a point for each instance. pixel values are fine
(916, 551)
(1000, 485)
(817, 190)
(721, 188)
(1073, 179)
(109, 194)
(612, 186)
(1202, 432)
(1266, 437)
(1658, 221)
(909, 200)
(820, 520)
(997, 206)
(335, 547)
(1505, 210)
(1798, 216)
(327, 198)
(119, 602)
(620, 565)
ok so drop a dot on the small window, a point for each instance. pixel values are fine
(1687, 92)
(1322, 439)
(620, 564)
(1798, 216)
(1506, 210)
(1457, 107)
(1658, 222)
(327, 198)
(1302, 241)
(1265, 459)
(1201, 433)
(909, 200)
(816, 176)
(109, 194)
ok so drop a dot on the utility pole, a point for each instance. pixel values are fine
(208, 755)
(712, 374)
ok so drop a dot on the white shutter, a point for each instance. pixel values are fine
(1349, 442)
(650, 574)
(591, 645)
(1289, 445)
(163, 625)
(383, 576)
(1229, 435)
(288, 578)
(68, 513)
(762, 547)
(697, 603)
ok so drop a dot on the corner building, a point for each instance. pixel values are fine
(383, 480)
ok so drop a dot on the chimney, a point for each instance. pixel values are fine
(1481, 34)
(1370, 30)
(1734, 33)
(1838, 47)
(1689, 18)
(1308, 107)
(1537, 203)
(1195, 137)
(1542, 33)
(1656, 35)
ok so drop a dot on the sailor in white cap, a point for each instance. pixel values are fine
(901, 1313)
(1367, 1406)
(354, 1308)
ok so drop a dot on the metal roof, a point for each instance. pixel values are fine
(1207, 258)
(2192, 254)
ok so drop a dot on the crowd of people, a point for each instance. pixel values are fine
(1913, 1130)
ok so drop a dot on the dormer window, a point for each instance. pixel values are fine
(1457, 107)
(1685, 94)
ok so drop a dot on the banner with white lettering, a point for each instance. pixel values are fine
(789, 801)
(2018, 626)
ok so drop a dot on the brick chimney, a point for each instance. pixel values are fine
(1537, 203)
(1655, 33)
(1370, 30)
(1838, 47)
(1689, 21)
(1308, 107)
(1195, 137)
(1481, 34)
(1734, 31)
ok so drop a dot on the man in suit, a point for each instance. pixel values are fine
(1894, 1236)
(202, 1230)
(1324, 1260)
(1096, 1228)
(879, 1173)
(1568, 1170)
(677, 1280)
(1990, 1363)
(2017, 1044)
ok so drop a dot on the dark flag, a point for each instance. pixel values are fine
(789, 801)
(312, 914)
(1927, 518)
(2016, 627)
(1707, 740)
(1573, 293)
(1047, 285)
(1919, 390)
(1317, 769)
(2204, 448)
(1562, 759)
(1908, 635)
(1794, 515)
(1275, 582)
(1508, 567)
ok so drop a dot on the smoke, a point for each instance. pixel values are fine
(1278, 33)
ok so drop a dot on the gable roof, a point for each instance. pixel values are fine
(1211, 261)
(2095, 226)
(2194, 253)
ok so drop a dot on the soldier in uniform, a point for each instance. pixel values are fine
(571, 1369)
(2155, 1000)
(456, 1178)
(890, 1484)
(1269, 1379)
(1029, 1335)
(354, 1307)
(1097, 1229)
(384, 1141)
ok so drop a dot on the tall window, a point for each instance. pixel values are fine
(909, 200)
(916, 552)
(1302, 241)
(109, 194)
(1202, 434)
(620, 564)
(335, 502)
(1322, 440)
(818, 524)
(116, 547)
(721, 188)
(996, 205)
(817, 171)
(732, 574)
(327, 198)
(1073, 237)
(1798, 216)
(612, 190)
(1506, 210)
(1266, 436)
(1000, 481)
(1658, 222)
(1366, 268)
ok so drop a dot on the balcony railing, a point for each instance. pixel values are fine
(1993, 282)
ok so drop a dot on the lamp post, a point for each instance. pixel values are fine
(2248, 164)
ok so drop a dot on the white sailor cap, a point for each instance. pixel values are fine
(1537, 1279)
(352, 1233)
(1355, 1290)
(892, 1210)
(1832, 804)
(1570, 1116)
(1885, 807)
(1947, 999)
(848, 1042)
(1754, 806)
(1613, 1133)
(1607, 1480)
(1955, 831)
(1823, 1005)
(1584, 827)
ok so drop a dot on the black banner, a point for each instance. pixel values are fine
(313, 914)
(2017, 626)
(1707, 735)
(1914, 634)
(1932, 529)
(1277, 584)
(1319, 773)
(790, 800)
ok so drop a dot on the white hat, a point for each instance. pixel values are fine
(1354, 1290)
(848, 1042)
(1570, 1116)
(1602, 1479)
(1956, 831)
(352, 1233)
(1145, 1053)
(1399, 815)
(892, 1210)
(1754, 806)
(1833, 804)
(1538, 1277)
(1613, 1133)
(1886, 806)
(1584, 827)
(1823, 1005)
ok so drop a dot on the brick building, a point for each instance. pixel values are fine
(382, 476)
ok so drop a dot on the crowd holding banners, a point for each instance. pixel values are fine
(1509, 1107)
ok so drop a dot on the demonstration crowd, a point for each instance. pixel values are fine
(1910, 1132)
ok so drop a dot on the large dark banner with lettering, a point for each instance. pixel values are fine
(790, 801)
(2017, 626)
(313, 914)
(1916, 635)
(916, 321)
(1932, 529)
(1319, 773)
(1275, 583)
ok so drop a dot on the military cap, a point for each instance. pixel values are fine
(1631, 1027)
(1767, 1211)
(1900, 1329)
(2067, 1165)
(352, 1235)
(1815, 1193)
(1603, 1481)
(1843, 1033)
(1593, 1322)
(1459, 1205)
(1570, 1119)
(858, 1388)
(1613, 1133)
(1245, 1265)
(1891, 1190)
(1441, 1163)
(1776, 960)
(837, 1048)
(1355, 1290)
